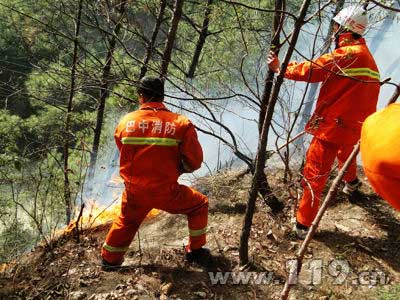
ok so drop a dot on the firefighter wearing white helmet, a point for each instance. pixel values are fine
(348, 94)
(352, 18)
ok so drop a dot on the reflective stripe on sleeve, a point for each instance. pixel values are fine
(367, 72)
(115, 249)
(197, 232)
(150, 141)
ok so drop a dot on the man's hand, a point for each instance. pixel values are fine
(273, 62)
(185, 168)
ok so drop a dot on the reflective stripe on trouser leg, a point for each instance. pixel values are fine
(123, 230)
(113, 255)
(187, 201)
(197, 223)
(115, 249)
(197, 238)
(319, 160)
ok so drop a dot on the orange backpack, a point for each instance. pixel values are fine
(380, 152)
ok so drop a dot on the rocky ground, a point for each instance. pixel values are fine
(355, 254)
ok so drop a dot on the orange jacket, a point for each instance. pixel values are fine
(156, 146)
(380, 152)
(349, 90)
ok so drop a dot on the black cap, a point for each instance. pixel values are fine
(151, 87)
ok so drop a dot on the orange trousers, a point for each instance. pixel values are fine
(175, 199)
(319, 160)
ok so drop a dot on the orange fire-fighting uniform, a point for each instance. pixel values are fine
(348, 94)
(380, 152)
(156, 146)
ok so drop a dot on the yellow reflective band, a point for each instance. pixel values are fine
(150, 141)
(198, 231)
(362, 72)
(115, 249)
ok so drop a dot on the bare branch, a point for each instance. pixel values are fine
(385, 6)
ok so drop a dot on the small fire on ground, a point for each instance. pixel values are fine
(94, 214)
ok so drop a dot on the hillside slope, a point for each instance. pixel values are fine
(355, 254)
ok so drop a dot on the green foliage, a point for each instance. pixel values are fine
(235, 32)
(36, 46)
(32, 196)
(23, 44)
(10, 132)
(49, 86)
(122, 95)
(123, 92)
(389, 293)
(14, 240)
(43, 132)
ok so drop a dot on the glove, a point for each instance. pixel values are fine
(184, 167)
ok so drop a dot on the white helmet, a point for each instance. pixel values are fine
(353, 18)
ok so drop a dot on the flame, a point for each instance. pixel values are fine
(101, 214)
(152, 214)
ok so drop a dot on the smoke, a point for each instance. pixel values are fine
(241, 117)
(106, 186)
(385, 44)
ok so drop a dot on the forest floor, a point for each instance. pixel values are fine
(354, 255)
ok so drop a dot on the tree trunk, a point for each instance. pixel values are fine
(269, 79)
(201, 41)
(263, 141)
(104, 92)
(265, 189)
(67, 187)
(150, 46)
(267, 194)
(166, 58)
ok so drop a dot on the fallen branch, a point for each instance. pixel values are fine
(290, 141)
(385, 6)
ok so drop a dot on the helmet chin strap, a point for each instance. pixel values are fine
(337, 34)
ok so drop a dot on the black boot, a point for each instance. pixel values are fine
(199, 256)
(106, 266)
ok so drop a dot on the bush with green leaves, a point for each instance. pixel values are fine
(15, 239)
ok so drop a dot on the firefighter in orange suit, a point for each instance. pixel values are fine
(380, 152)
(348, 94)
(156, 146)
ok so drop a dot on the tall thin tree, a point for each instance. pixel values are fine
(104, 87)
(67, 187)
(263, 140)
(151, 44)
(202, 39)
(265, 189)
(166, 58)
